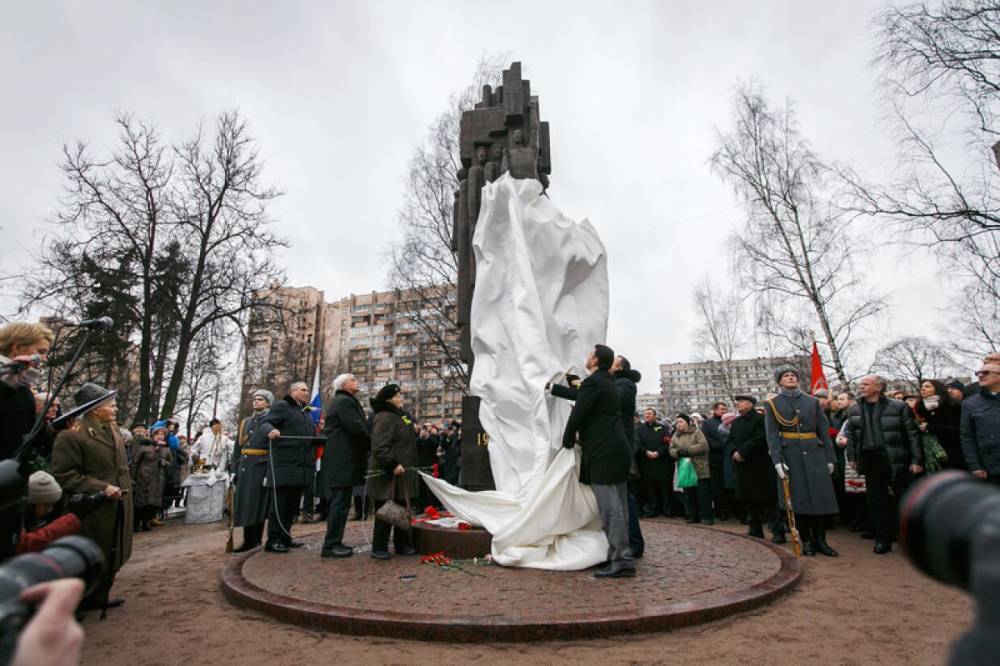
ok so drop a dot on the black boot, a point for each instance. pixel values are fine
(251, 537)
(380, 540)
(358, 510)
(804, 526)
(820, 544)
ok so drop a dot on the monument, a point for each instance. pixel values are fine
(533, 300)
(502, 134)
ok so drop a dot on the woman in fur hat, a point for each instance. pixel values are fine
(394, 452)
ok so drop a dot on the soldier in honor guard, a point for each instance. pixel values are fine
(798, 440)
(289, 428)
(250, 465)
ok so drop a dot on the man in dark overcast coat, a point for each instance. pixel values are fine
(344, 460)
(596, 421)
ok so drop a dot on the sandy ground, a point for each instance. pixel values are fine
(859, 608)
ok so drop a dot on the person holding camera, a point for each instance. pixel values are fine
(43, 521)
(23, 346)
(91, 459)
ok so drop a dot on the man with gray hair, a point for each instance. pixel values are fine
(883, 443)
(344, 461)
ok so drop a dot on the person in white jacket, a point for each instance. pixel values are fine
(214, 447)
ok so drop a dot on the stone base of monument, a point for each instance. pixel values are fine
(689, 575)
(456, 543)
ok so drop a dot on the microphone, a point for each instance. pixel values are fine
(101, 323)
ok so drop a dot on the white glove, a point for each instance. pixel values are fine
(830, 467)
(782, 470)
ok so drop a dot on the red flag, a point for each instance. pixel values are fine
(818, 378)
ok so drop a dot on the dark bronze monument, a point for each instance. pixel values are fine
(501, 134)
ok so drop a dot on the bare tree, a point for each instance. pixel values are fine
(975, 328)
(913, 359)
(952, 47)
(794, 247)
(113, 213)
(221, 209)
(422, 265)
(185, 229)
(943, 62)
(722, 333)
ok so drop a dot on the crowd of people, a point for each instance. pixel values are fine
(785, 461)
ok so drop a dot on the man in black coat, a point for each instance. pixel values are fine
(718, 451)
(756, 480)
(884, 445)
(625, 383)
(596, 421)
(292, 463)
(656, 467)
(344, 460)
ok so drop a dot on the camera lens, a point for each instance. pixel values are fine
(69, 557)
(939, 518)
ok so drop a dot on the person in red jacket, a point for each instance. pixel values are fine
(43, 523)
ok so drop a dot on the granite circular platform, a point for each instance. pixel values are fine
(689, 575)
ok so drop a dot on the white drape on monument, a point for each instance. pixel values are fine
(540, 305)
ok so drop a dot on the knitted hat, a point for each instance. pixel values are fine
(749, 398)
(264, 393)
(687, 418)
(955, 384)
(43, 489)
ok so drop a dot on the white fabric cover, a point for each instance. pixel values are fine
(540, 305)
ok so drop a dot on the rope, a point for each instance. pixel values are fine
(782, 421)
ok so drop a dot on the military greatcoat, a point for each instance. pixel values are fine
(250, 458)
(87, 460)
(798, 436)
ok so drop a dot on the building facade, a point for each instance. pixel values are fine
(644, 401)
(380, 337)
(695, 386)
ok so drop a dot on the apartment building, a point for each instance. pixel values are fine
(380, 336)
(695, 386)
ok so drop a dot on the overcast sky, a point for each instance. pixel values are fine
(339, 94)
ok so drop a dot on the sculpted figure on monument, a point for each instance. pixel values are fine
(521, 158)
(492, 169)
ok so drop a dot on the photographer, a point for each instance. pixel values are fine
(44, 522)
(53, 636)
(22, 347)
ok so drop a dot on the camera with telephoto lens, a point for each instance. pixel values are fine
(949, 527)
(69, 557)
(82, 505)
